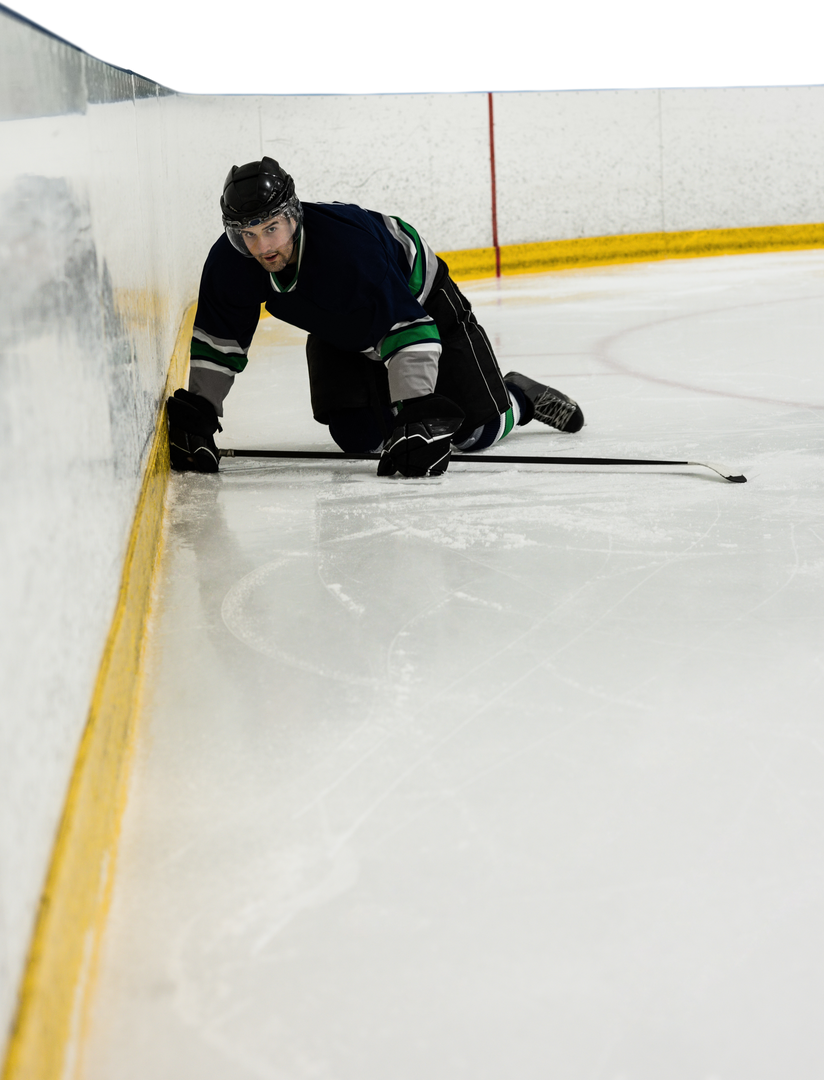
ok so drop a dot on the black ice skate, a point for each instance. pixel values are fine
(548, 405)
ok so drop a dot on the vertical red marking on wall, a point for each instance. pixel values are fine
(494, 189)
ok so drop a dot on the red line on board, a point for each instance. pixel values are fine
(494, 188)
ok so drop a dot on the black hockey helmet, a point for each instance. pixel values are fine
(252, 194)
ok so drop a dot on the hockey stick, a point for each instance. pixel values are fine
(479, 459)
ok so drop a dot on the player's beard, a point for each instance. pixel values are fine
(276, 265)
(280, 262)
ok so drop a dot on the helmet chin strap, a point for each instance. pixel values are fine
(295, 239)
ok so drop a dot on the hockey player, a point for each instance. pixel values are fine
(397, 361)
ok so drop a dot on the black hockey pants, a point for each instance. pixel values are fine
(350, 392)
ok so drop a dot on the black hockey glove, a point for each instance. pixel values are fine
(420, 444)
(192, 423)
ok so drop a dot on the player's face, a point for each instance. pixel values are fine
(272, 243)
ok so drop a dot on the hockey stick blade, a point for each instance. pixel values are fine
(479, 459)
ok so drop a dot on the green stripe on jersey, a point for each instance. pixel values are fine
(201, 351)
(418, 272)
(420, 333)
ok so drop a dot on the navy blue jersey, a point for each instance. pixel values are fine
(360, 282)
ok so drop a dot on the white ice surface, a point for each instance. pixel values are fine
(516, 774)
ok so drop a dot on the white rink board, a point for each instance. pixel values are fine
(598, 163)
(515, 773)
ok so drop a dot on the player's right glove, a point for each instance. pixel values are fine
(421, 443)
(192, 423)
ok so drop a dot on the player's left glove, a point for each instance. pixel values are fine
(421, 443)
